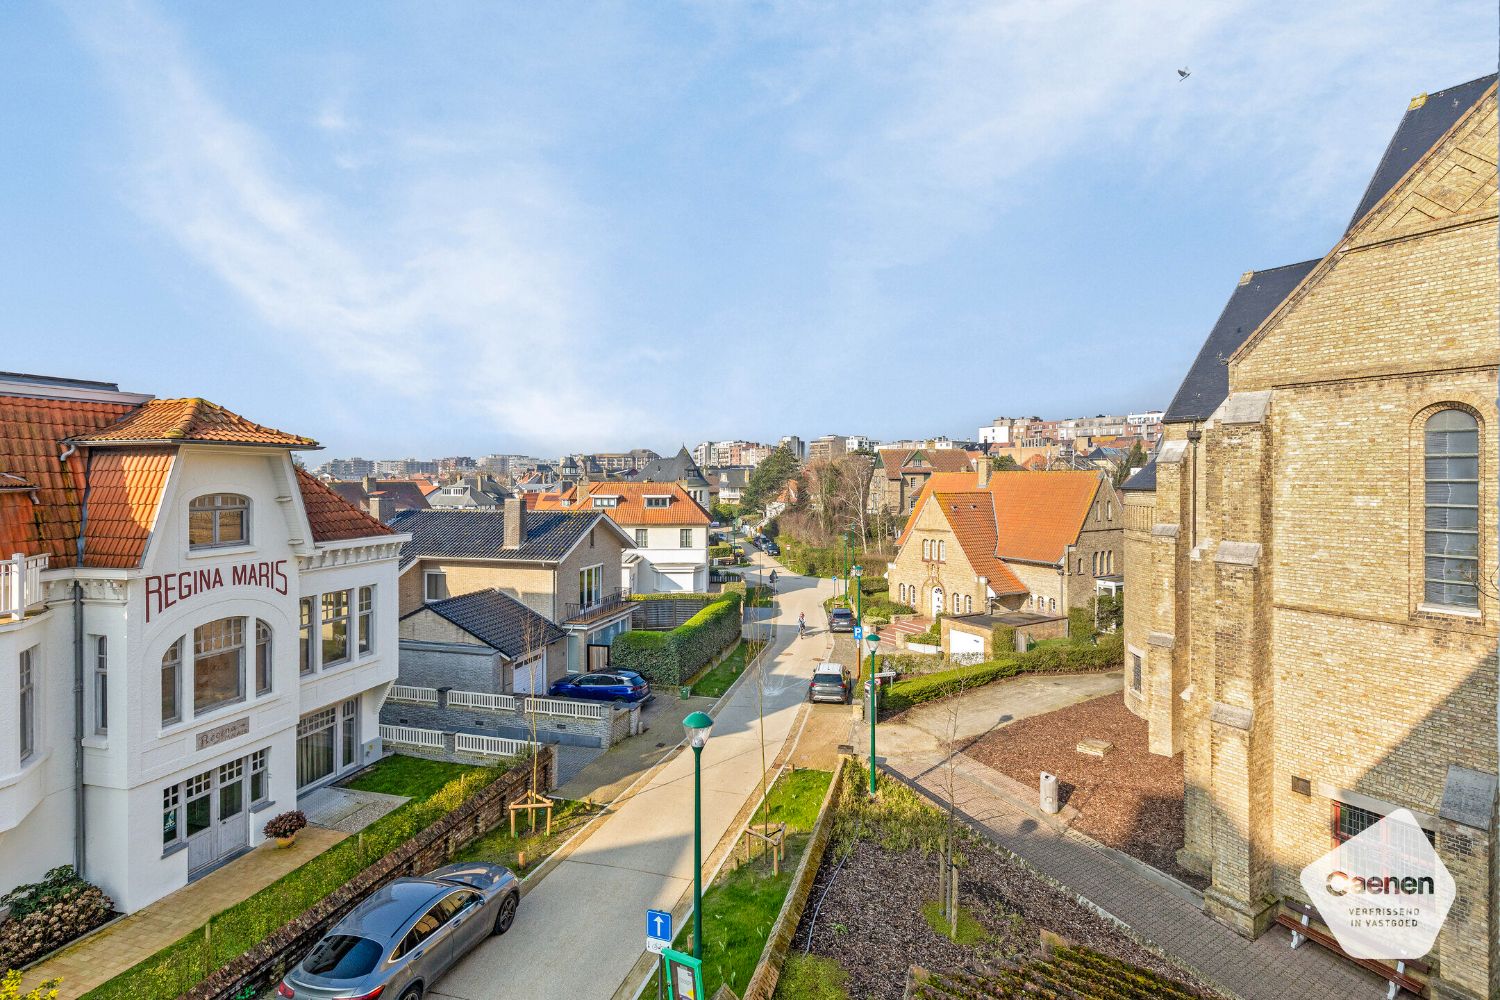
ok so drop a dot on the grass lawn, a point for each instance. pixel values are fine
(970, 930)
(739, 908)
(714, 682)
(812, 977)
(501, 848)
(414, 777)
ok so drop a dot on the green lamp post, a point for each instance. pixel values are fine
(874, 640)
(698, 726)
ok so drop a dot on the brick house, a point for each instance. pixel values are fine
(1317, 637)
(1035, 542)
(563, 565)
(900, 473)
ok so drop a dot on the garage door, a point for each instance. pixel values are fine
(964, 642)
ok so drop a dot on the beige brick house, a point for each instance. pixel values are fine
(1318, 633)
(900, 473)
(1012, 541)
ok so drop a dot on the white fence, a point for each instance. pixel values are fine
(559, 706)
(20, 585)
(418, 695)
(430, 739)
(481, 700)
(493, 746)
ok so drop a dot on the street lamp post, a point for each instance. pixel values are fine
(698, 726)
(874, 640)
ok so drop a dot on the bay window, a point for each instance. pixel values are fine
(366, 619)
(335, 635)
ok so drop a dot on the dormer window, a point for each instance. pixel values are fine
(606, 501)
(218, 519)
(658, 501)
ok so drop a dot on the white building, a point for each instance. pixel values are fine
(669, 529)
(238, 627)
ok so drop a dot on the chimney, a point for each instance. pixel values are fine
(515, 522)
(984, 472)
(368, 484)
(381, 507)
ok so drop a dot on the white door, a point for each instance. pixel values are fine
(231, 826)
(937, 601)
(964, 642)
(198, 816)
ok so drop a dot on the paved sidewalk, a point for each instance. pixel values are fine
(1264, 969)
(142, 934)
(640, 856)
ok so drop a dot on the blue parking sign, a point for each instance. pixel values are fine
(658, 930)
(859, 632)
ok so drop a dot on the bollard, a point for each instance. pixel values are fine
(1049, 794)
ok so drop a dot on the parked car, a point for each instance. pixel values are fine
(841, 620)
(406, 934)
(604, 685)
(830, 682)
(772, 549)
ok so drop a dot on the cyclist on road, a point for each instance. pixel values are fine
(773, 577)
(801, 625)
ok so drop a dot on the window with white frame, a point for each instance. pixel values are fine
(434, 585)
(658, 501)
(218, 519)
(641, 535)
(99, 646)
(264, 665)
(366, 620)
(334, 648)
(1451, 566)
(260, 785)
(685, 538)
(171, 815)
(218, 664)
(942, 550)
(26, 703)
(305, 664)
(590, 586)
(171, 684)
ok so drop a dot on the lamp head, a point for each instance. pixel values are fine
(698, 726)
(873, 639)
(857, 571)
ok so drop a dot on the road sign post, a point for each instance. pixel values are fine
(658, 930)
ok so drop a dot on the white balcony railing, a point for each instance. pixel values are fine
(430, 739)
(558, 706)
(491, 746)
(415, 695)
(481, 700)
(20, 585)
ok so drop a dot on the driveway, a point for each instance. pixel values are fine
(582, 928)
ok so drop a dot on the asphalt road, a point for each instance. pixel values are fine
(580, 931)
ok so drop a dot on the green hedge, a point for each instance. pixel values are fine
(720, 551)
(681, 595)
(670, 658)
(1002, 639)
(1081, 623)
(1078, 657)
(180, 966)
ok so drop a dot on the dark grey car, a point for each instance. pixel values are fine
(830, 682)
(396, 943)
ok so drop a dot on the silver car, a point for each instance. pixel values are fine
(396, 943)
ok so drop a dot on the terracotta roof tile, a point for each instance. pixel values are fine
(1038, 514)
(125, 490)
(331, 517)
(630, 508)
(32, 432)
(188, 421)
(972, 517)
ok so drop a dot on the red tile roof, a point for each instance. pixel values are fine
(630, 508)
(125, 490)
(972, 517)
(189, 421)
(331, 517)
(1037, 514)
(32, 432)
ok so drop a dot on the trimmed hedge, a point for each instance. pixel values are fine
(1081, 624)
(1077, 657)
(1002, 638)
(681, 595)
(670, 658)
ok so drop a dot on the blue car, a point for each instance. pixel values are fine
(606, 685)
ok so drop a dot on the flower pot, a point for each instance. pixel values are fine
(285, 842)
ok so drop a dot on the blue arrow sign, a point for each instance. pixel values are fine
(658, 930)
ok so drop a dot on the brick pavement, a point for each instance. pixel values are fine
(1264, 969)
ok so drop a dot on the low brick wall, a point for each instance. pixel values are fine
(262, 967)
(768, 971)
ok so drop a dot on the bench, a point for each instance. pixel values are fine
(1302, 920)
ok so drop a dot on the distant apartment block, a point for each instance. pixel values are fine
(827, 448)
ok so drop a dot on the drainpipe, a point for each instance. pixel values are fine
(80, 815)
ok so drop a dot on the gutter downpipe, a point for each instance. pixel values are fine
(80, 814)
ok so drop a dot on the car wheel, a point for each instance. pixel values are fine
(415, 993)
(507, 914)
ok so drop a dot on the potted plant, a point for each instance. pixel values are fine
(283, 828)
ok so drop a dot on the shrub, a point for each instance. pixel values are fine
(720, 551)
(650, 654)
(285, 825)
(1076, 657)
(670, 658)
(1081, 623)
(1002, 639)
(48, 914)
(10, 988)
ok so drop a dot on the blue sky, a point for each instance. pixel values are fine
(447, 228)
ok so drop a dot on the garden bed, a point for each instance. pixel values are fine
(1129, 799)
(529, 848)
(866, 913)
(715, 681)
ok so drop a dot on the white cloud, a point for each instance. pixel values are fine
(455, 294)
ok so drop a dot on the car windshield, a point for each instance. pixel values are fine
(829, 674)
(841, 614)
(343, 956)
